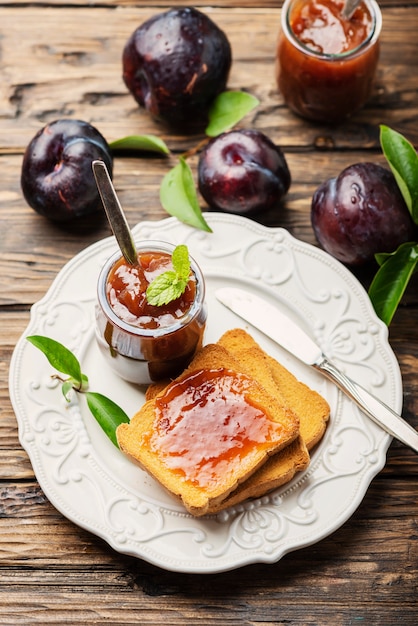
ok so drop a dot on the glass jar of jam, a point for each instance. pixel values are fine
(141, 342)
(325, 62)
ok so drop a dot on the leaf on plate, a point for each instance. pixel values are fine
(179, 198)
(228, 109)
(108, 414)
(59, 357)
(403, 161)
(142, 143)
(391, 279)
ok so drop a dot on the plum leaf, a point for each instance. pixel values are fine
(107, 414)
(403, 161)
(179, 198)
(141, 143)
(228, 109)
(59, 357)
(391, 279)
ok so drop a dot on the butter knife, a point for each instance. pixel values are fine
(284, 331)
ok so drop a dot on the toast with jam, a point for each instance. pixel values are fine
(211, 428)
(310, 407)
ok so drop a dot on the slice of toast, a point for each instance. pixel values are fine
(310, 407)
(202, 457)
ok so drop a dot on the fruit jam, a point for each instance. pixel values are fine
(126, 292)
(325, 62)
(207, 424)
(144, 343)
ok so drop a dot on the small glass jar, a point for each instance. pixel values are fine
(327, 86)
(143, 355)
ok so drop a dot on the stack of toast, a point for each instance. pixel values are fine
(216, 449)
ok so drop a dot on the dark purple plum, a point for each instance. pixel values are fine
(57, 178)
(242, 171)
(360, 213)
(175, 64)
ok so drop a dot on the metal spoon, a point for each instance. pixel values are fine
(114, 212)
(349, 7)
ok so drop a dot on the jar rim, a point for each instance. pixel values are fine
(372, 37)
(189, 316)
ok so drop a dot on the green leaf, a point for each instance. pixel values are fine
(181, 261)
(165, 288)
(403, 161)
(170, 285)
(391, 280)
(144, 143)
(67, 386)
(108, 414)
(59, 357)
(228, 109)
(179, 198)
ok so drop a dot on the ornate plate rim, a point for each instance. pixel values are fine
(256, 515)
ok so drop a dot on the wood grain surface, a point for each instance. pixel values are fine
(63, 59)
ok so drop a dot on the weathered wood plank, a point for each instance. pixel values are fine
(97, 584)
(75, 71)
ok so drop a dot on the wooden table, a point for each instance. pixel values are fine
(62, 59)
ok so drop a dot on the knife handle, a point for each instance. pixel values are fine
(374, 408)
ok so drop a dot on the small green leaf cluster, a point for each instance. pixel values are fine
(108, 414)
(178, 194)
(392, 278)
(170, 285)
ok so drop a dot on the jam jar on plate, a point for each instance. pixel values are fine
(145, 343)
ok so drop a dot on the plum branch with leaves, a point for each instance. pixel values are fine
(178, 193)
(107, 414)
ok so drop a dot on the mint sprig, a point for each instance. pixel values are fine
(108, 414)
(171, 284)
(391, 280)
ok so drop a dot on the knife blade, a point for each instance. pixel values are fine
(280, 328)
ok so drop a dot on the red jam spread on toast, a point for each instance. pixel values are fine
(126, 289)
(206, 423)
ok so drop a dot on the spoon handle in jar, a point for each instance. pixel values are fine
(114, 212)
(349, 7)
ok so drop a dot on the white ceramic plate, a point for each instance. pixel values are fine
(94, 485)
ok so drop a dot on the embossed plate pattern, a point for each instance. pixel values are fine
(94, 485)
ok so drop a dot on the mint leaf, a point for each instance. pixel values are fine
(228, 109)
(170, 285)
(165, 288)
(108, 414)
(179, 198)
(391, 279)
(403, 161)
(59, 357)
(144, 143)
(181, 261)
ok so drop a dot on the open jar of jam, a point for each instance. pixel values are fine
(326, 63)
(145, 343)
